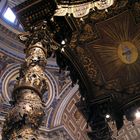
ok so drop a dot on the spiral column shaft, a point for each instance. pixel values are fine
(25, 117)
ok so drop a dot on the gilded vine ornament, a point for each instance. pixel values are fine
(89, 66)
(26, 115)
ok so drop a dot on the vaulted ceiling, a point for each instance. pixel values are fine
(13, 3)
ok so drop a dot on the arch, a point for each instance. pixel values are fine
(13, 71)
(62, 106)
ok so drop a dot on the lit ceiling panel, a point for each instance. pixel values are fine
(9, 15)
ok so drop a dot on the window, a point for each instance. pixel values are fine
(9, 15)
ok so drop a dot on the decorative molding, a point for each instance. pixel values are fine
(81, 10)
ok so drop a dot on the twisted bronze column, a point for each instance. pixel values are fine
(28, 110)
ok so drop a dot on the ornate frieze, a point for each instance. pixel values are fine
(80, 10)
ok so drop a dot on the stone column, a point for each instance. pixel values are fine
(25, 117)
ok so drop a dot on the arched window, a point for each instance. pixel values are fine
(9, 15)
(10, 18)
